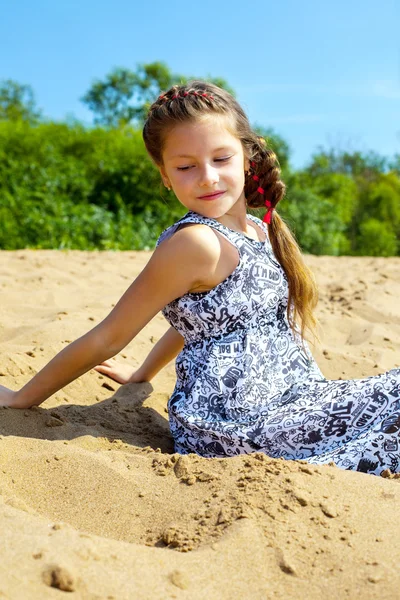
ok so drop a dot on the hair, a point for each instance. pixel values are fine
(198, 100)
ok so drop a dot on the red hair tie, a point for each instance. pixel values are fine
(260, 190)
(184, 94)
(268, 214)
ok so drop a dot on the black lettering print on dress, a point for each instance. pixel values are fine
(246, 383)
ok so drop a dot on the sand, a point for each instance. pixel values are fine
(93, 501)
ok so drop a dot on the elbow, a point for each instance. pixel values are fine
(108, 342)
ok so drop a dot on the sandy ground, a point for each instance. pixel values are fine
(94, 502)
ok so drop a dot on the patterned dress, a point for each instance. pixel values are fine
(246, 383)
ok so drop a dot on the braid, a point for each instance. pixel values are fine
(263, 185)
(179, 102)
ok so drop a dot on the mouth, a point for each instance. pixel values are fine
(211, 196)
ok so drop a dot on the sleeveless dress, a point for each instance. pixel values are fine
(246, 383)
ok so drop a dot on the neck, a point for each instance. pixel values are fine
(236, 217)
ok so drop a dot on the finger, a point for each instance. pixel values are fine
(106, 363)
(102, 369)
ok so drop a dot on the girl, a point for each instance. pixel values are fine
(233, 289)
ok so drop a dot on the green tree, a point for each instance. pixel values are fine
(314, 221)
(367, 165)
(277, 143)
(125, 96)
(17, 102)
(376, 239)
(394, 164)
(380, 201)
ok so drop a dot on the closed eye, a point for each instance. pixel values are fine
(224, 159)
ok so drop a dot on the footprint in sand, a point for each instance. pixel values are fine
(359, 334)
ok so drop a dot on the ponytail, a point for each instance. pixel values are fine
(263, 187)
(303, 292)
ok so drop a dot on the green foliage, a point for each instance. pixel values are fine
(125, 96)
(394, 165)
(365, 193)
(315, 221)
(348, 163)
(382, 200)
(377, 239)
(66, 186)
(278, 145)
(17, 102)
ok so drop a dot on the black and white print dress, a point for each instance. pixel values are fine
(246, 383)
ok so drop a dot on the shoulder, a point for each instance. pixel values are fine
(181, 263)
(195, 242)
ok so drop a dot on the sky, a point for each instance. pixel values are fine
(321, 74)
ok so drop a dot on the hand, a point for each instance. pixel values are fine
(7, 397)
(120, 372)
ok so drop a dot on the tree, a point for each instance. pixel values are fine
(394, 165)
(125, 96)
(277, 143)
(314, 220)
(382, 200)
(17, 102)
(376, 239)
(367, 165)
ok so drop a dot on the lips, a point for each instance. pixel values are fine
(211, 196)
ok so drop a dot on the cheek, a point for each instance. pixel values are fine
(237, 173)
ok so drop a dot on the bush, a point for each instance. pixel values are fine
(67, 187)
(376, 239)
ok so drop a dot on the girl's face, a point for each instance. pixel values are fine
(205, 164)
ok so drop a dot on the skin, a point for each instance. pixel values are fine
(195, 258)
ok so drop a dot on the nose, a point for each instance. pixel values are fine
(208, 175)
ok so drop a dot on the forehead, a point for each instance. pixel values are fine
(194, 137)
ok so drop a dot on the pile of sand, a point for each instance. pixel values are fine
(94, 502)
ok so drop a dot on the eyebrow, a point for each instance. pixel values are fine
(190, 156)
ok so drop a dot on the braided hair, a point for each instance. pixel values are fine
(263, 187)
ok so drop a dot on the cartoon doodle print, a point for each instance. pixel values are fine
(246, 383)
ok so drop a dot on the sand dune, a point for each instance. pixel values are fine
(94, 501)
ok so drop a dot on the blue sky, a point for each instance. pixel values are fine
(320, 73)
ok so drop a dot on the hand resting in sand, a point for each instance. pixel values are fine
(120, 372)
(166, 276)
(6, 396)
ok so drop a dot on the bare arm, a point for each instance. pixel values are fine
(177, 265)
(166, 349)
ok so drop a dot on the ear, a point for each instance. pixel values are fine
(164, 177)
(246, 164)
